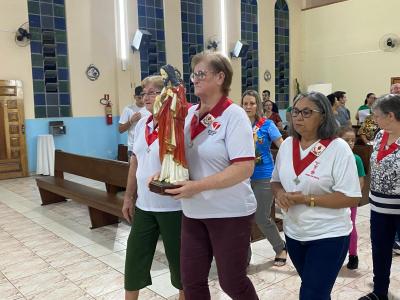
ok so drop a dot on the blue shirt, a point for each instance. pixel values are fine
(267, 133)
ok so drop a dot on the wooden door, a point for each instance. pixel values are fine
(13, 158)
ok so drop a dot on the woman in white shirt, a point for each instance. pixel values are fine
(315, 182)
(218, 203)
(151, 214)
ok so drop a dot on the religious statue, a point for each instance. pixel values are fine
(170, 109)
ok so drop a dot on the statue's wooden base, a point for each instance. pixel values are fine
(159, 187)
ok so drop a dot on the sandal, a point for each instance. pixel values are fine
(280, 261)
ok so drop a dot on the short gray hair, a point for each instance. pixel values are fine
(388, 103)
(329, 127)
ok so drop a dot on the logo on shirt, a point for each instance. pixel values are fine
(207, 120)
(312, 172)
(318, 149)
(214, 128)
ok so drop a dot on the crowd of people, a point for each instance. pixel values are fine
(316, 180)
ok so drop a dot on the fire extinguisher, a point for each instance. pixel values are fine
(107, 108)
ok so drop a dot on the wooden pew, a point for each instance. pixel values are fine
(104, 206)
(365, 151)
(122, 152)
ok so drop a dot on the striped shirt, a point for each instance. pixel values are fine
(384, 196)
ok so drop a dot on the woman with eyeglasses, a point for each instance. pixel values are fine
(264, 134)
(150, 214)
(218, 203)
(315, 182)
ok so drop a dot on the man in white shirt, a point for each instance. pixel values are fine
(130, 116)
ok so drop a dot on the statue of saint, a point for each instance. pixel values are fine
(170, 109)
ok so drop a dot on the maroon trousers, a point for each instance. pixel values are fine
(228, 240)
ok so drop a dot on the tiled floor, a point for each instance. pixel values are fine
(49, 253)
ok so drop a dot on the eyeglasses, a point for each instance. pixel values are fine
(306, 112)
(150, 94)
(200, 75)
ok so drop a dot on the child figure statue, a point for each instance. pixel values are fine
(170, 109)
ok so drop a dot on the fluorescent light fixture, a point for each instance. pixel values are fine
(223, 28)
(122, 33)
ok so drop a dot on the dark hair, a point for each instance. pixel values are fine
(344, 129)
(387, 104)
(218, 63)
(329, 127)
(332, 99)
(267, 91)
(259, 110)
(138, 90)
(339, 94)
(366, 98)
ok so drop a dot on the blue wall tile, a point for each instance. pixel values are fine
(36, 47)
(46, 9)
(34, 20)
(282, 64)
(151, 18)
(39, 99)
(249, 34)
(37, 73)
(64, 99)
(192, 39)
(46, 71)
(62, 49)
(59, 23)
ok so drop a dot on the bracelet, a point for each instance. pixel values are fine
(311, 202)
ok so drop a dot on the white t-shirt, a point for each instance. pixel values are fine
(334, 170)
(148, 165)
(228, 138)
(126, 115)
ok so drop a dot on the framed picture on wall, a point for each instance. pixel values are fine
(394, 80)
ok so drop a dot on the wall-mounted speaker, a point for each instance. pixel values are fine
(141, 38)
(240, 49)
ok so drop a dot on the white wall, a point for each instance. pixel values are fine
(339, 45)
(15, 61)
(91, 40)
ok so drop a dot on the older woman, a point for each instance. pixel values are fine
(218, 203)
(384, 195)
(264, 133)
(315, 182)
(154, 214)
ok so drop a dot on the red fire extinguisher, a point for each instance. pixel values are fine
(107, 108)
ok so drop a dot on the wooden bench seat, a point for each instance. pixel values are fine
(104, 206)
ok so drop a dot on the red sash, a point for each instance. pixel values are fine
(198, 127)
(300, 165)
(382, 152)
(258, 126)
(150, 137)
